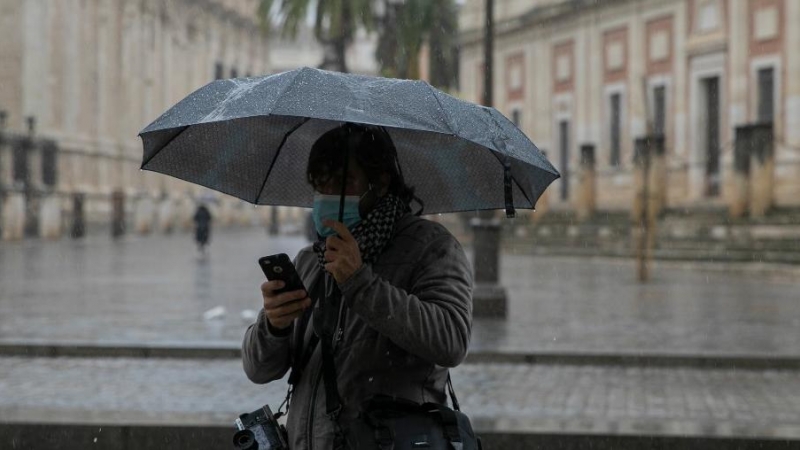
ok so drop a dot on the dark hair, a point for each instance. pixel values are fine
(373, 149)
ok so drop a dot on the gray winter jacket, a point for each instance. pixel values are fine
(407, 319)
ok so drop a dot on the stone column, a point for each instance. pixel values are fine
(243, 215)
(791, 129)
(50, 207)
(13, 214)
(762, 166)
(117, 213)
(78, 226)
(12, 202)
(738, 53)
(586, 184)
(741, 174)
(165, 214)
(143, 214)
(186, 211)
(33, 180)
(274, 221)
(6, 159)
(50, 217)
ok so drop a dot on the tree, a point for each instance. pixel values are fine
(403, 27)
(406, 26)
(334, 23)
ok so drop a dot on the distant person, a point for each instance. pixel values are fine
(202, 227)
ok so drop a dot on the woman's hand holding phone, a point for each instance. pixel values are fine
(281, 309)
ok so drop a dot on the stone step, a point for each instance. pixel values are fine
(626, 251)
(786, 216)
(118, 437)
(785, 246)
(512, 398)
(210, 351)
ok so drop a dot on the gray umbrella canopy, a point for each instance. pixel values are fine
(251, 138)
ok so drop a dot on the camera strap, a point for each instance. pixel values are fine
(332, 307)
(302, 353)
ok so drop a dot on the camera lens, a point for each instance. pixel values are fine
(245, 440)
(277, 269)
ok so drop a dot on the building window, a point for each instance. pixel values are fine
(712, 135)
(49, 165)
(766, 93)
(20, 167)
(615, 140)
(218, 71)
(563, 129)
(659, 111)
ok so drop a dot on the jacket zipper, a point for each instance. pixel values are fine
(337, 337)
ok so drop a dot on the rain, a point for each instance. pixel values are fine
(475, 224)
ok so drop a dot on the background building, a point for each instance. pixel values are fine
(91, 75)
(599, 75)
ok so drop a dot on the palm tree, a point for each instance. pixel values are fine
(406, 26)
(443, 45)
(334, 23)
(403, 26)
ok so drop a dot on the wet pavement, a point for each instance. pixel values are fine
(155, 290)
(498, 397)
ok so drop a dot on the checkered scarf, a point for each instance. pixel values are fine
(373, 232)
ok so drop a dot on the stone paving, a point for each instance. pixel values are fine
(499, 397)
(155, 290)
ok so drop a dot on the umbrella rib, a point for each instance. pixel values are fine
(277, 153)
(444, 111)
(144, 163)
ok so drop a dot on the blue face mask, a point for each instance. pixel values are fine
(327, 207)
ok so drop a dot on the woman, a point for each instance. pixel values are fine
(406, 293)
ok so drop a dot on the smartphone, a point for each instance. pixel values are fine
(280, 267)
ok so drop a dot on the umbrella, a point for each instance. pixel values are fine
(251, 137)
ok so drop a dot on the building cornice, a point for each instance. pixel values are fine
(547, 15)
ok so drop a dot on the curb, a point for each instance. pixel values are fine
(769, 269)
(709, 361)
(69, 436)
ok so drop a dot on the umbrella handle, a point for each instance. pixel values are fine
(344, 181)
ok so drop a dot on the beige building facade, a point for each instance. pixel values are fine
(600, 76)
(92, 74)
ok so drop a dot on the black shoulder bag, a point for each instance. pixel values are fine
(391, 423)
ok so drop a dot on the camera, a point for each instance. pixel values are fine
(259, 430)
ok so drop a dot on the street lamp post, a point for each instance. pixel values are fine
(489, 298)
